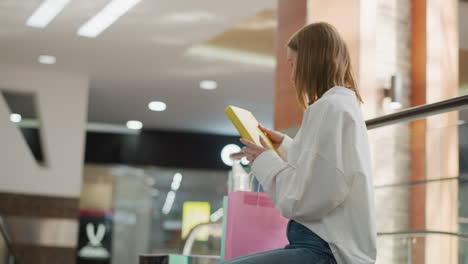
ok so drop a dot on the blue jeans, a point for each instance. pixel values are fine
(305, 247)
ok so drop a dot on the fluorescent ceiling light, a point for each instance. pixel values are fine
(227, 151)
(169, 202)
(46, 12)
(176, 181)
(47, 59)
(157, 106)
(15, 118)
(233, 55)
(217, 215)
(134, 124)
(208, 84)
(102, 20)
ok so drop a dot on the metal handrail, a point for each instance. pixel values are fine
(419, 112)
(420, 233)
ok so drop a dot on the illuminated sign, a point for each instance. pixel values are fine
(193, 214)
(94, 247)
(95, 237)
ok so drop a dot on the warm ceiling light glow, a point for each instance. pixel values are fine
(157, 106)
(134, 124)
(189, 17)
(208, 84)
(15, 118)
(232, 55)
(102, 20)
(227, 151)
(46, 12)
(47, 59)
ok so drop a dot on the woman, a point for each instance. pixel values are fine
(322, 182)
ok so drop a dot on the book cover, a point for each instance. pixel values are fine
(247, 125)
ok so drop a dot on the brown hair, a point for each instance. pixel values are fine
(323, 61)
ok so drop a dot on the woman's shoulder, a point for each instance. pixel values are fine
(331, 104)
(334, 108)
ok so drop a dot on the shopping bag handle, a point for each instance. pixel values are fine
(258, 187)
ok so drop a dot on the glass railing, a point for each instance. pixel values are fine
(420, 161)
(410, 247)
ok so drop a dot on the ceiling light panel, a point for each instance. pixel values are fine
(208, 84)
(46, 12)
(16, 118)
(134, 124)
(157, 106)
(102, 20)
(47, 59)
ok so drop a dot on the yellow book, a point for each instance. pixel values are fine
(247, 125)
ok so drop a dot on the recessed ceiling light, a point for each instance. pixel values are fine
(134, 124)
(47, 59)
(46, 12)
(157, 106)
(102, 20)
(208, 84)
(16, 118)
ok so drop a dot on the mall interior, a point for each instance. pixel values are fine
(115, 147)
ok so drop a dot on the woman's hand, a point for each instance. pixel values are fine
(275, 137)
(252, 150)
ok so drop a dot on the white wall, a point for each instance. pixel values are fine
(61, 100)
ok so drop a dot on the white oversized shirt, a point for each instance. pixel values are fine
(323, 178)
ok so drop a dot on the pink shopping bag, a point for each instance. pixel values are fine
(253, 225)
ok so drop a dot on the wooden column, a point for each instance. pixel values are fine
(355, 21)
(434, 141)
(291, 17)
(442, 133)
(417, 208)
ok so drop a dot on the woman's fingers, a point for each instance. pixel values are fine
(248, 152)
(264, 144)
(249, 144)
(274, 136)
(252, 150)
(262, 127)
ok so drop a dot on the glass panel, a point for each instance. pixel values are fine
(409, 248)
(147, 206)
(420, 177)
